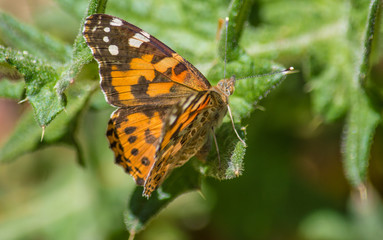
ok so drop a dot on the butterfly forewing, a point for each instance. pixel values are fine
(136, 68)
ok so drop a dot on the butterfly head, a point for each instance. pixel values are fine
(227, 86)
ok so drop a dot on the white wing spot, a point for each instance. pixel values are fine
(116, 22)
(107, 29)
(137, 40)
(106, 39)
(113, 49)
(134, 43)
(94, 28)
(141, 37)
(145, 34)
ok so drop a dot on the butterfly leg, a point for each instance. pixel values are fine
(235, 130)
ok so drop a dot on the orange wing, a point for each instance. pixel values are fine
(133, 137)
(136, 69)
(145, 79)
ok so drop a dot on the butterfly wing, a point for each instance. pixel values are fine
(136, 69)
(133, 137)
(144, 78)
(186, 130)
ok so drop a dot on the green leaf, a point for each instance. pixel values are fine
(141, 210)
(363, 118)
(27, 135)
(370, 34)
(260, 77)
(11, 89)
(359, 131)
(371, 40)
(238, 13)
(11, 82)
(20, 36)
(231, 151)
(40, 79)
(72, 69)
(247, 93)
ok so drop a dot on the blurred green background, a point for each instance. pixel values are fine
(293, 185)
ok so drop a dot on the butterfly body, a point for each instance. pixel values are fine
(167, 110)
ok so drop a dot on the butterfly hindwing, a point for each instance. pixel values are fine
(187, 128)
(134, 136)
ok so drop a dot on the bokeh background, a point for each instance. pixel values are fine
(293, 185)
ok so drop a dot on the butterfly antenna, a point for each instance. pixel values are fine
(226, 27)
(232, 123)
(286, 71)
(216, 147)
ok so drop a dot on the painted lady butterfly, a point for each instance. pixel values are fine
(167, 110)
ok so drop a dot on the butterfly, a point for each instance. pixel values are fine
(166, 109)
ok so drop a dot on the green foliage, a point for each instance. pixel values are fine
(359, 131)
(141, 210)
(19, 36)
(9, 88)
(363, 117)
(332, 43)
(48, 69)
(231, 151)
(27, 136)
(40, 79)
